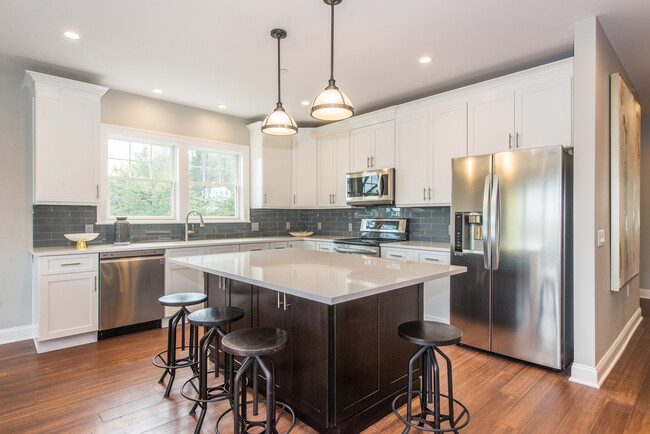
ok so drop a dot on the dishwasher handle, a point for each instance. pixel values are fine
(132, 259)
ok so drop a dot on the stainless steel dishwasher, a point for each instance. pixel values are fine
(130, 284)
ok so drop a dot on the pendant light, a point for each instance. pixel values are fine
(279, 123)
(332, 104)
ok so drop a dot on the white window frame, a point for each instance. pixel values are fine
(181, 182)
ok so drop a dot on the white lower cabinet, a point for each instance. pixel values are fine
(66, 297)
(309, 245)
(325, 246)
(182, 279)
(254, 247)
(278, 246)
(436, 292)
(299, 244)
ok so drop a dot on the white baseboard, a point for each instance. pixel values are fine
(69, 341)
(435, 318)
(16, 334)
(594, 377)
(644, 293)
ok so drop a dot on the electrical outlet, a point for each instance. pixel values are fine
(319, 226)
(89, 229)
(601, 238)
(288, 225)
(627, 290)
(255, 226)
(349, 227)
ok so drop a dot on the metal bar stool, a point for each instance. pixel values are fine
(212, 318)
(255, 344)
(172, 362)
(430, 335)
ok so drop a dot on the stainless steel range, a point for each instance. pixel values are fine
(373, 233)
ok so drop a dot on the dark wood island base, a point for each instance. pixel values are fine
(344, 363)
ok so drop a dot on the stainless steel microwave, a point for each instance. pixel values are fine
(372, 187)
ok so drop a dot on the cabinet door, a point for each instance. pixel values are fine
(68, 305)
(241, 295)
(277, 172)
(543, 114)
(305, 164)
(449, 131)
(383, 141)
(309, 245)
(436, 292)
(325, 246)
(360, 148)
(326, 168)
(182, 279)
(307, 326)
(342, 167)
(216, 290)
(66, 151)
(491, 116)
(413, 160)
(271, 313)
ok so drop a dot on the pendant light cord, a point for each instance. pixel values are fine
(279, 104)
(332, 45)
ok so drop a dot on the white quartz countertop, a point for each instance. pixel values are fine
(419, 245)
(325, 277)
(102, 248)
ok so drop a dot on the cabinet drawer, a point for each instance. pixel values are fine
(433, 257)
(253, 247)
(295, 244)
(309, 245)
(67, 264)
(399, 254)
(325, 247)
(278, 245)
(222, 249)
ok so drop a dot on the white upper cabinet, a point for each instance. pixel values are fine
(66, 140)
(333, 164)
(271, 169)
(373, 147)
(532, 109)
(491, 117)
(426, 142)
(543, 114)
(305, 169)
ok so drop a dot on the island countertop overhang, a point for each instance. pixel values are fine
(328, 278)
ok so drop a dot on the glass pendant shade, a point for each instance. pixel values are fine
(279, 123)
(332, 105)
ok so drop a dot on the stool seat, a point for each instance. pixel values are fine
(215, 316)
(430, 333)
(183, 299)
(259, 341)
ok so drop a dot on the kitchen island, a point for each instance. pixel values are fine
(344, 362)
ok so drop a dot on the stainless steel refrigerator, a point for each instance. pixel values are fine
(511, 218)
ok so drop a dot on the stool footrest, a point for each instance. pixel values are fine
(246, 424)
(421, 418)
(182, 362)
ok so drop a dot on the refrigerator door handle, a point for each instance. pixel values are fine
(495, 217)
(486, 207)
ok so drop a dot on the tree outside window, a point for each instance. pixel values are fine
(214, 186)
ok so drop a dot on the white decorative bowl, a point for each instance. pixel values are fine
(81, 238)
(301, 234)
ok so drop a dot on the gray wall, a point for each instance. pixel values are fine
(15, 196)
(135, 111)
(600, 314)
(645, 201)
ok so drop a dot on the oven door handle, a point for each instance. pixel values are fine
(355, 251)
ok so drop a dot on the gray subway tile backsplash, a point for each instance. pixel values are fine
(50, 222)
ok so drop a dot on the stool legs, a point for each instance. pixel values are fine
(409, 394)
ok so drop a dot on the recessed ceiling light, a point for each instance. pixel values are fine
(222, 106)
(156, 90)
(305, 102)
(71, 35)
(425, 59)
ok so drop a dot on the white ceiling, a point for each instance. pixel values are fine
(208, 52)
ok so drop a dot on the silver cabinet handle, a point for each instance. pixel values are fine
(516, 140)
(395, 256)
(432, 259)
(510, 141)
(424, 193)
(71, 264)
(285, 302)
(279, 302)
(95, 283)
(372, 161)
(333, 198)
(367, 162)
(264, 197)
(255, 250)
(429, 193)
(294, 199)
(97, 191)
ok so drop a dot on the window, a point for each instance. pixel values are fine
(156, 177)
(213, 182)
(140, 178)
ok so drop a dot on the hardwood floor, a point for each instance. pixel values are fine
(111, 386)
